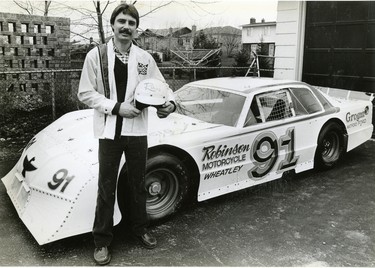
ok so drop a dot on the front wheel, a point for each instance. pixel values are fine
(167, 185)
(330, 146)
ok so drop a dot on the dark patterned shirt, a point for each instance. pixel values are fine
(122, 57)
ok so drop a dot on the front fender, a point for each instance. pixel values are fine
(53, 186)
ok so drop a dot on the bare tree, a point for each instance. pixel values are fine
(31, 7)
(99, 14)
(230, 41)
(90, 19)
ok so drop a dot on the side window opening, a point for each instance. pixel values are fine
(253, 116)
(304, 101)
(275, 105)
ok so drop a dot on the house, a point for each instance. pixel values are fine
(326, 43)
(262, 32)
(228, 38)
(162, 39)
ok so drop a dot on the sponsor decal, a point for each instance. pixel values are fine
(213, 156)
(222, 172)
(356, 119)
(27, 166)
(264, 153)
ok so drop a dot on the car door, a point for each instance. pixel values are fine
(278, 134)
(281, 131)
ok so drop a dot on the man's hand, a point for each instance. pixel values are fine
(128, 111)
(165, 110)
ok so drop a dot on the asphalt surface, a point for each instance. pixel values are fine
(310, 219)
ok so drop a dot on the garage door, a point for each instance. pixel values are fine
(340, 45)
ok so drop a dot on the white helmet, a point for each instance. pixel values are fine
(151, 92)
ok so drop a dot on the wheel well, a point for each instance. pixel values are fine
(184, 157)
(341, 125)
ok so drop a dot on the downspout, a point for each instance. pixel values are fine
(301, 41)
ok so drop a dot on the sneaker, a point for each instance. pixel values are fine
(147, 240)
(102, 255)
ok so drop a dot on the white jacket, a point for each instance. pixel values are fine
(141, 66)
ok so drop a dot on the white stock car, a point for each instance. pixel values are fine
(226, 135)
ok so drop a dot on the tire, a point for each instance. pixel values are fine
(330, 146)
(167, 185)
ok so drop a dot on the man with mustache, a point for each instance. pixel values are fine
(108, 82)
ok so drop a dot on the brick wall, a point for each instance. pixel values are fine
(31, 44)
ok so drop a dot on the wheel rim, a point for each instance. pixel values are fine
(331, 143)
(162, 188)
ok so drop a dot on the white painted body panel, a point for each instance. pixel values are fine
(54, 184)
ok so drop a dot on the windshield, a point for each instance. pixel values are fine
(209, 105)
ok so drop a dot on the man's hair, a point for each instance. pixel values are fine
(125, 9)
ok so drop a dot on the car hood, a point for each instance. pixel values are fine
(181, 130)
(73, 133)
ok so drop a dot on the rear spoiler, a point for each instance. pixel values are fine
(346, 94)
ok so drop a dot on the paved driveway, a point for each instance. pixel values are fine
(313, 219)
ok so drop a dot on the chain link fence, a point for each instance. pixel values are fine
(30, 90)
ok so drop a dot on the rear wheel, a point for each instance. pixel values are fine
(330, 146)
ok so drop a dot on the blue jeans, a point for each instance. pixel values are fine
(110, 153)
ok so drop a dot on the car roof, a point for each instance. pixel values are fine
(241, 84)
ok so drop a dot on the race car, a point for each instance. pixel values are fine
(227, 134)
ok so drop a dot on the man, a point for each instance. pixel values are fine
(119, 125)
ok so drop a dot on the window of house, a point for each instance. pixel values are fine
(22, 63)
(34, 64)
(51, 52)
(1, 26)
(37, 28)
(28, 51)
(34, 86)
(266, 30)
(40, 51)
(25, 27)
(9, 39)
(254, 47)
(13, 51)
(49, 29)
(249, 31)
(45, 40)
(2, 51)
(22, 87)
(12, 26)
(15, 76)
(47, 63)
(11, 88)
(271, 50)
(9, 63)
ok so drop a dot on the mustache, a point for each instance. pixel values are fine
(125, 31)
